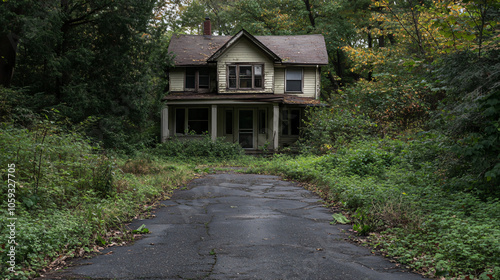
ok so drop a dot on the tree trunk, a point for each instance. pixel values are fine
(381, 41)
(311, 16)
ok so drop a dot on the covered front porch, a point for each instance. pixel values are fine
(256, 123)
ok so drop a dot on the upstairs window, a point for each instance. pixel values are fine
(245, 76)
(197, 79)
(294, 78)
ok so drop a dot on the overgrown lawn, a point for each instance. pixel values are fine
(402, 204)
(71, 198)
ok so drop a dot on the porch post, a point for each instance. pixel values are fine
(213, 133)
(276, 119)
(165, 133)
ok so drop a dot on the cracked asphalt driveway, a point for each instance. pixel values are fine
(239, 226)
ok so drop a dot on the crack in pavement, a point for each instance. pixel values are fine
(241, 226)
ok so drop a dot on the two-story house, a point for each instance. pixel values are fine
(244, 88)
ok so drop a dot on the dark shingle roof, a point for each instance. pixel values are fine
(294, 49)
(194, 49)
(299, 49)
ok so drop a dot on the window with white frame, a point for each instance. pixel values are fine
(245, 76)
(294, 80)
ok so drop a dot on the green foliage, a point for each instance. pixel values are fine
(199, 147)
(70, 197)
(470, 116)
(339, 218)
(141, 230)
(395, 187)
(93, 58)
(54, 164)
(328, 128)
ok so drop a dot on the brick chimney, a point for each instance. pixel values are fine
(207, 27)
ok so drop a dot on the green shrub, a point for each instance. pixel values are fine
(202, 147)
(327, 128)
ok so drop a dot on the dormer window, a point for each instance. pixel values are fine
(197, 79)
(245, 76)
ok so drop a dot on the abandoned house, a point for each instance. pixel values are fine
(247, 89)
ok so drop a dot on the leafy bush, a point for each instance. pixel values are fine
(202, 147)
(470, 117)
(70, 196)
(328, 128)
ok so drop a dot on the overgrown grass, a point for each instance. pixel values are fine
(202, 148)
(71, 198)
(398, 194)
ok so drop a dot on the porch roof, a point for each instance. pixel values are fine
(271, 98)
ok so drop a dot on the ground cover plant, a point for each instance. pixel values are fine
(399, 200)
(200, 148)
(71, 198)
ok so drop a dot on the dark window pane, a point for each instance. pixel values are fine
(229, 122)
(190, 81)
(284, 122)
(258, 82)
(232, 71)
(180, 118)
(293, 85)
(232, 77)
(203, 80)
(245, 83)
(295, 122)
(232, 83)
(246, 128)
(294, 79)
(262, 122)
(246, 140)
(198, 120)
(245, 76)
(203, 71)
(199, 127)
(198, 114)
(245, 71)
(246, 119)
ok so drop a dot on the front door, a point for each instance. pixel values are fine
(245, 130)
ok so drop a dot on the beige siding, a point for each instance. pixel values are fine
(309, 82)
(279, 80)
(176, 79)
(244, 51)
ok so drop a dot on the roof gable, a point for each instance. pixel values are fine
(196, 50)
(243, 34)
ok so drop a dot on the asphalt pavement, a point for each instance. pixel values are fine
(239, 226)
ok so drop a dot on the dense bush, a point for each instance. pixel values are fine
(470, 117)
(70, 197)
(328, 128)
(199, 147)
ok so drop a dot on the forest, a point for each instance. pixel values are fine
(408, 146)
